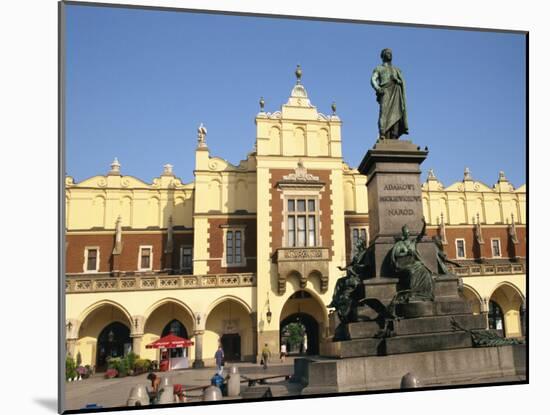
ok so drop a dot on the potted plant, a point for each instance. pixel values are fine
(70, 369)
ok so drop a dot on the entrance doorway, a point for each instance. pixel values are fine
(231, 344)
(113, 341)
(300, 332)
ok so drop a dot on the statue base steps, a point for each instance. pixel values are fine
(435, 368)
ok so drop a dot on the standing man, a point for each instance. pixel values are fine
(266, 354)
(219, 356)
(283, 352)
(389, 85)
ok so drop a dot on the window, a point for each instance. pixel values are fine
(234, 248)
(301, 222)
(145, 258)
(186, 259)
(358, 232)
(495, 247)
(91, 259)
(460, 248)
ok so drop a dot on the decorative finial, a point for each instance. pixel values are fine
(202, 135)
(262, 104)
(333, 107)
(431, 176)
(115, 167)
(298, 73)
(168, 170)
(502, 177)
(467, 174)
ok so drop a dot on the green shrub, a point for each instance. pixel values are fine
(113, 363)
(123, 367)
(70, 368)
(132, 358)
(142, 365)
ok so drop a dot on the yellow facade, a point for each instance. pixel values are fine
(209, 303)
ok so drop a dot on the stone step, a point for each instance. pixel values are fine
(435, 308)
(425, 343)
(351, 348)
(437, 324)
(420, 325)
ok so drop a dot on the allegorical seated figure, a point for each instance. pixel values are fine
(415, 276)
(342, 298)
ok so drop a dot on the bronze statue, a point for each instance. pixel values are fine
(389, 85)
(342, 299)
(417, 278)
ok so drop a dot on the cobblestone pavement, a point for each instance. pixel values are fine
(115, 392)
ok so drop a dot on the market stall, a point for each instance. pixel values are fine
(173, 352)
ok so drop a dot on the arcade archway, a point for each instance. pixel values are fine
(229, 323)
(104, 332)
(302, 323)
(505, 309)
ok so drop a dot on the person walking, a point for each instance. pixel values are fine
(266, 354)
(219, 356)
(283, 352)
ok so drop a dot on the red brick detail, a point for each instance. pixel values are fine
(277, 209)
(350, 221)
(76, 250)
(127, 261)
(475, 251)
(216, 243)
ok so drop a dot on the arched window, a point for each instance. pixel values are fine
(496, 317)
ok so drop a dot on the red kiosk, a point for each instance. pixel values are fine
(173, 352)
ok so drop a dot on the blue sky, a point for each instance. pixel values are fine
(139, 82)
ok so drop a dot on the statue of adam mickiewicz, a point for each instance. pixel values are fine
(389, 85)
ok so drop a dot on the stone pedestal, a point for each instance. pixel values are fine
(393, 172)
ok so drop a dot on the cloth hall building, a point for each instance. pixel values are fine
(243, 250)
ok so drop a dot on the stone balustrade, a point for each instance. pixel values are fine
(102, 283)
(488, 269)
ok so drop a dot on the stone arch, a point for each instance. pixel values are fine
(306, 307)
(156, 318)
(94, 321)
(510, 299)
(228, 322)
(90, 309)
(226, 297)
(164, 301)
(299, 144)
(316, 276)
(324, 145)
(473, 297)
